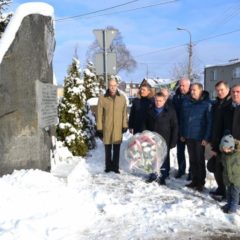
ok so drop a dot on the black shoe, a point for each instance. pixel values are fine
(161, 181)
(217, 192)
(179, 175)
(214, 192)
(218, 198)
(189, 177)
(225, 208)
(151, 178)
(199, 188)
(231, 211)
(191, 185)
(107, 170)
(117, 171)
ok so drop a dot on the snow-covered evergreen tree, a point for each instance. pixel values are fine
(4, 17)
(76, 125)
(90, 81)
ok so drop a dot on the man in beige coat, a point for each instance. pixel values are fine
(112, 123)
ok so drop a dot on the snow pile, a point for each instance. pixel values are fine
(90, 204)
(63, 162)
(21, 12)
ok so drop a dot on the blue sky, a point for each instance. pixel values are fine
(150, 33)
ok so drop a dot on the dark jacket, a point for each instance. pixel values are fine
(231, 120)
(138, 111)
(217, 128)
(196, 118)
(177, 101)
(164, 123)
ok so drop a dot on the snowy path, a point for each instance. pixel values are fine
(90, 204)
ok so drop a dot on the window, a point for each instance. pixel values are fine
(214, 75)
(236, 72)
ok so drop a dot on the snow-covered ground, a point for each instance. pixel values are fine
(79, 201)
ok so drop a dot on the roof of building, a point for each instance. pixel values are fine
(231, 62)
(156, 82)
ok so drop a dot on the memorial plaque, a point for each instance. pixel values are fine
(47, 106)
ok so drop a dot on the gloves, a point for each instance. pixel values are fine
(124, 130)
(100, 134)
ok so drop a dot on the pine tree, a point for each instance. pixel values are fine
(76, 126)
(90, 82)
(4, 18)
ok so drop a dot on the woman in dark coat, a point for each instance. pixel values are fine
(162, 119)
(140, 106)
(195, 130)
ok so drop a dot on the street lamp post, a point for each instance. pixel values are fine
(189, 52)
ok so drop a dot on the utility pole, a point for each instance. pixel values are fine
(189, 52)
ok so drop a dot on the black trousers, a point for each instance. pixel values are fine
(112, 152)
(181, 157)
(218, 174)
(197, 161)
(165, 168)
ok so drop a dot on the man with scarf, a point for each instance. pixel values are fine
(112, 123)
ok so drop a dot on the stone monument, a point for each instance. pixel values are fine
(28, 109)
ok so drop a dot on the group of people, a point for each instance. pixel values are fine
(188, 119)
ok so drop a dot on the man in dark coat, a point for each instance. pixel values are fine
(182, 92)
(195, 130)
(140, 106)
(162, 119)
(231, 114)
(223, 99)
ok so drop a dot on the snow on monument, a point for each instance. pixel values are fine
(28, 108)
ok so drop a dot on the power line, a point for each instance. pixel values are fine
(229, 13)
(194, 42)
(162, 49)
(113, 13)
(134, 9)
(216, 36)
(101, 10)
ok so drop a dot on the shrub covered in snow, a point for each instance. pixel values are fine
(76, 123)
(91, 83)
(4, 17)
